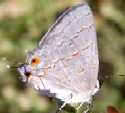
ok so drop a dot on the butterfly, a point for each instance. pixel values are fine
(65, 63)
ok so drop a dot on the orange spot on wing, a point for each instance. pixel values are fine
(68, 59)
(75, 53)
(35, 61)
(31, 78)
(80, 70)
(52, 66)
(29, 74)
(87, 47)
(57, 60)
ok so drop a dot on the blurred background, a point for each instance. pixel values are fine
(24, 22)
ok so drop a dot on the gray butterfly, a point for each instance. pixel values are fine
(65, 63)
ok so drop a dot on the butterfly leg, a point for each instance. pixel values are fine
(64, 104)
(89, 106)
(79, 106)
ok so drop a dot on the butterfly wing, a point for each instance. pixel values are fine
(68, 53)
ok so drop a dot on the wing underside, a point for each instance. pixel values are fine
(69, 51)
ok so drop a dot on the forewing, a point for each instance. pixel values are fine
(69, 51)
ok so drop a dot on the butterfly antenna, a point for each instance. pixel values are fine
(8, 66)
(63, 105)
(14, 62)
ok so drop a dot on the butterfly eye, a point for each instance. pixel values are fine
(35, 61)
(28, 74)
